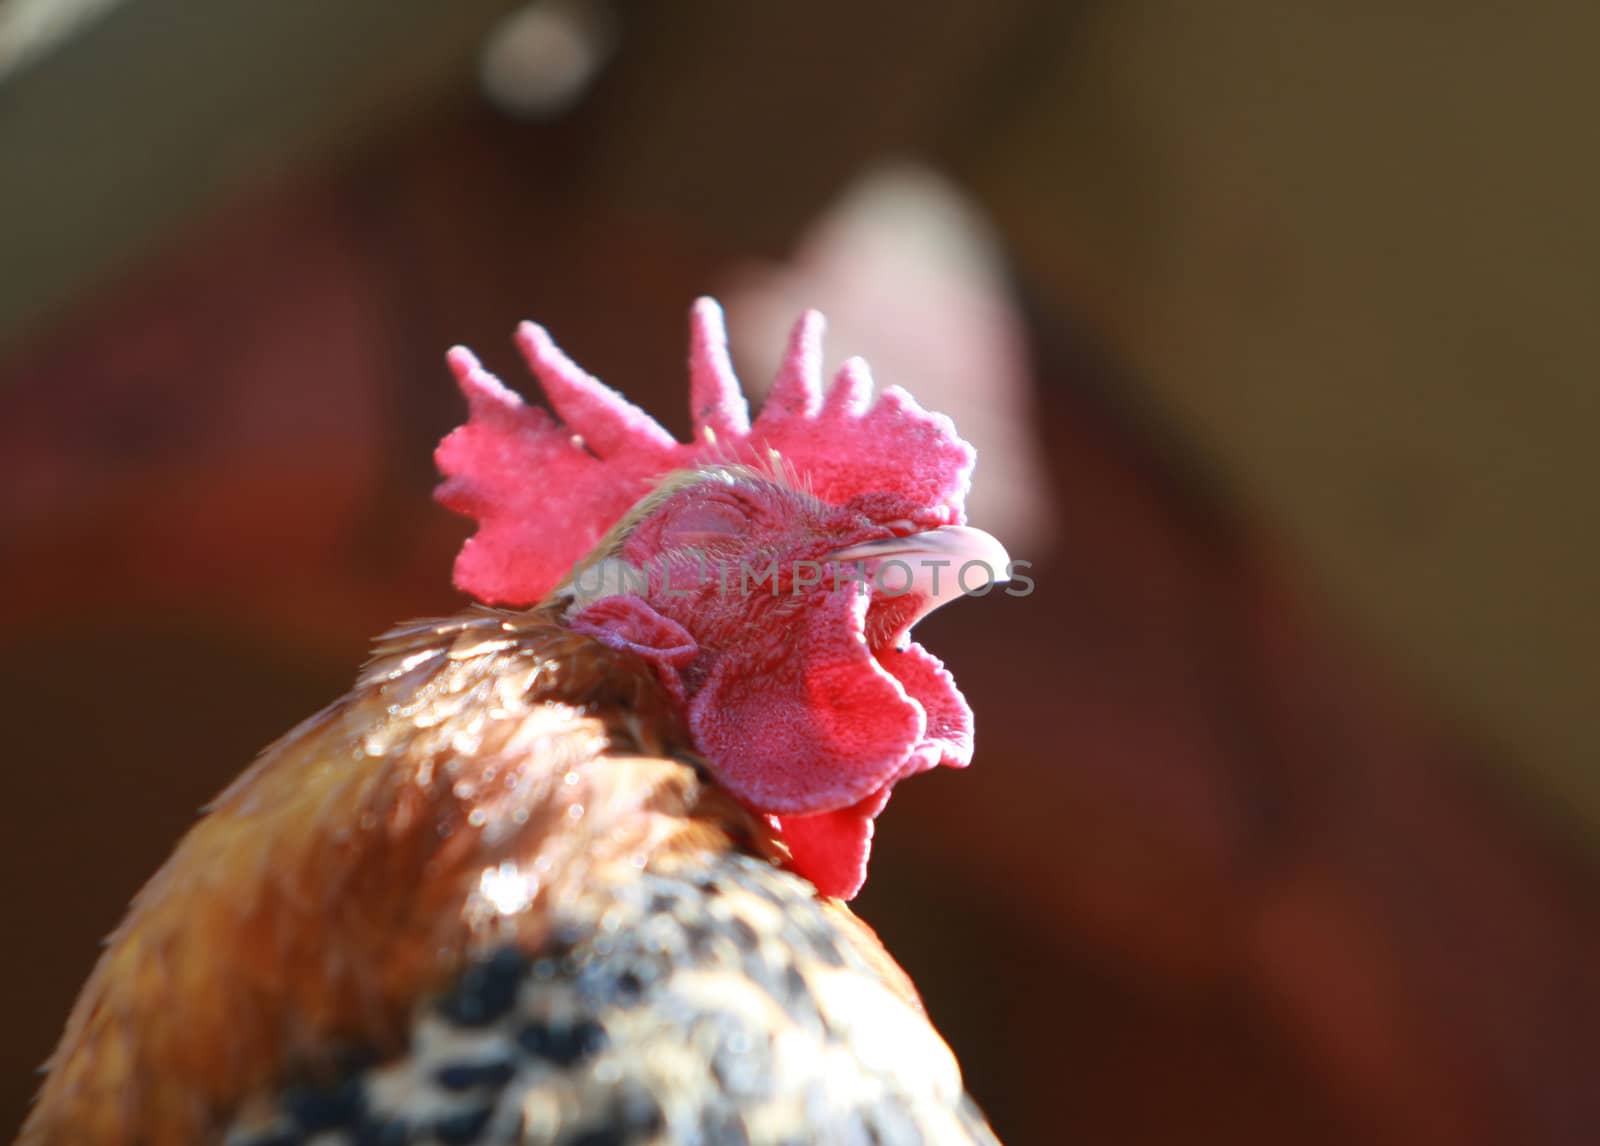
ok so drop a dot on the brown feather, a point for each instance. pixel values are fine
(337, 880)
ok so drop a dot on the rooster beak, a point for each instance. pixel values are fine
(939, 565)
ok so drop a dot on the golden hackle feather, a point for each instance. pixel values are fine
(338, 880)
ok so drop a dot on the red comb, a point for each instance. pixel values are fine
(545, 491)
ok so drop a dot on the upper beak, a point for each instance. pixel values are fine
(940, 565)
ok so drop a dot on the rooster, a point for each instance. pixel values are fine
(569, 866)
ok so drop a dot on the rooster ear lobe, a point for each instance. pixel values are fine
(632, 623)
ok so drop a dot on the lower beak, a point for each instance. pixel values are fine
(939, 565)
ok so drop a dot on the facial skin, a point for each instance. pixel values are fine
(765, 614)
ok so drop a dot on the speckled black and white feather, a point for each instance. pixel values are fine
(718, 1003)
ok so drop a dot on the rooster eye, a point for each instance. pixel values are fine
(705, 523)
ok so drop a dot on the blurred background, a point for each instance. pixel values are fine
(1275, 326)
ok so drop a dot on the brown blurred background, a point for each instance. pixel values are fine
(1275, 324)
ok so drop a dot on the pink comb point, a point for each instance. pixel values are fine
(607, 421)
(545, 491)
(797, 388)
(851, 391)
(715, 399)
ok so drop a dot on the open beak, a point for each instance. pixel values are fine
(936, 566)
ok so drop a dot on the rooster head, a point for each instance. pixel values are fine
(770, 571)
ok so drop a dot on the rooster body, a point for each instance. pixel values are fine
(524, 884)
